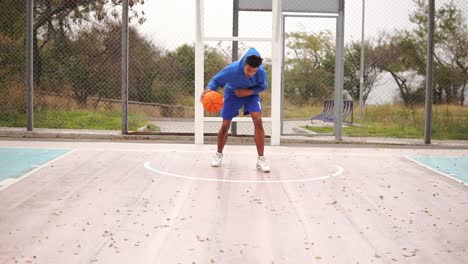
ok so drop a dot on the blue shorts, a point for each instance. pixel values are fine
(232, 104)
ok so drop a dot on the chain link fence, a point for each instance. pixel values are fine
(77, 67)
(394, 82)
(12, 64)
(387, 104)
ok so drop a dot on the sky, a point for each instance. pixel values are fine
(172, 23)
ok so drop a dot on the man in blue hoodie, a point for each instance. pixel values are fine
(243, 81)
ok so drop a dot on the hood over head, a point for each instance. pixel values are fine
(250, 52)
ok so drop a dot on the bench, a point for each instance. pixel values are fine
(328, 111)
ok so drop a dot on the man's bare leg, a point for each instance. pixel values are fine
(259, 134)
(223, 135)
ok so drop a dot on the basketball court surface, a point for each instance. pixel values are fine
(120, 202)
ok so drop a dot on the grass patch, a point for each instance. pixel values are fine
(375, 130)
(75, 120)
(152, 127)
(449, 122)
(305, 111)
(394, 121)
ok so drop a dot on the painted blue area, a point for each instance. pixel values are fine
(456, 167)
(15, 162)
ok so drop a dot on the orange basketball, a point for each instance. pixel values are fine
(212, 101)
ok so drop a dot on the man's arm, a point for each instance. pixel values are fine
(244, 92)
(259, 88)
(249, 91)
(262, 84)
(219, 80)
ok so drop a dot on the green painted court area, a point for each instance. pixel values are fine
(456, 167)
(15, 162)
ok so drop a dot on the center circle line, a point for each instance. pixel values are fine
(147, 165)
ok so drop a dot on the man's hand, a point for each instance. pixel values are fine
(243, 92)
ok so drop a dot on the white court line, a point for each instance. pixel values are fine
(339, 171)
(437, 171)
(9, 181)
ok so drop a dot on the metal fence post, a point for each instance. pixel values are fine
(124, 69)
(429, 72)
(29, 64)
(283, 55)
(339, 74)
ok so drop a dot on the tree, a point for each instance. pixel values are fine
(306, 78)
(401, 56)
(57, 20)
(90, 64)
(310, 71)
(144, 66)
(12, 27)
(93, 64)
(176, 77)
(451, 53)
(352, 69)
(214, 62)
(180, 66)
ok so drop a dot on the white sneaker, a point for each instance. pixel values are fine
(262, 164)
(216, 162)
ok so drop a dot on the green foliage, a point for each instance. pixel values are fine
(184, 61)
(90, 65)
(310, 68)
(167, 97)
(401, 55)
(214, 62)
(57, 20)
(12, 56)
(144, 65)
(352, 69)
(306, 78)
(13, 19)
(405, 52)
(177, 74)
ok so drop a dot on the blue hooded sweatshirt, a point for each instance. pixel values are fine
(232, 77)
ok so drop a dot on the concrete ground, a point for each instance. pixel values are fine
(302, 138)
(244, 127)
(143, 202)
